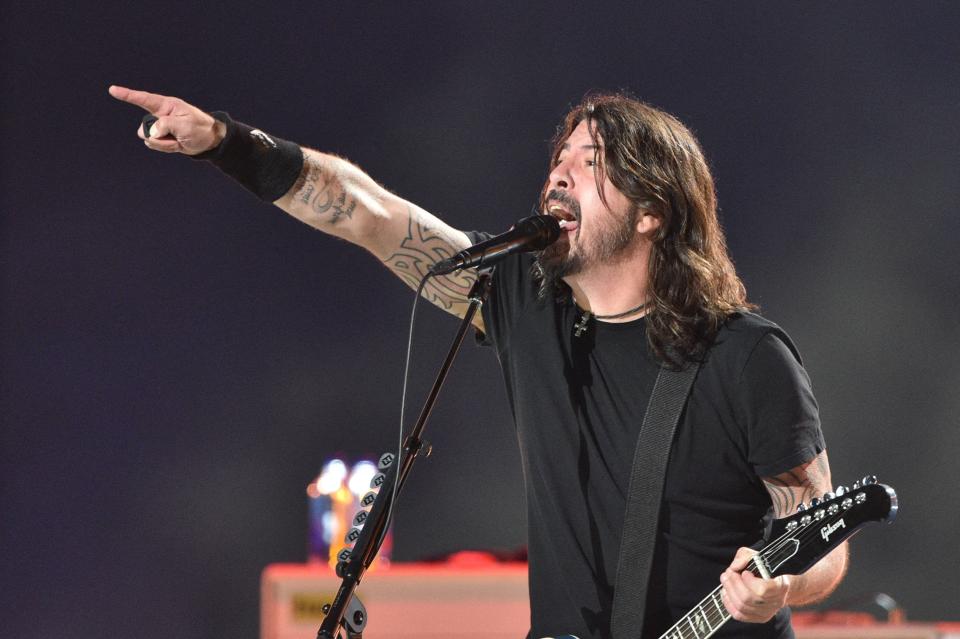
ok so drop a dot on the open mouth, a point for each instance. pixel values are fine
(568, 221)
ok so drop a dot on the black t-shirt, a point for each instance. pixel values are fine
(578, 404)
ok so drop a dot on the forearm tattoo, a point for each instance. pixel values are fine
(423, 247)
(326, 196)
(794, 487)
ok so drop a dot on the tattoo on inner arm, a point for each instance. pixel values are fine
(327, 197)
(323, 193)
(423, 247)
(306, 193)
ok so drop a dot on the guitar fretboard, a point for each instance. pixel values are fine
(702, 621)
(800, 541)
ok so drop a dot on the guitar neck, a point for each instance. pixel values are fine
(798, 542)
(702, 621)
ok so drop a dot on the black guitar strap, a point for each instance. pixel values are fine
(647, 476)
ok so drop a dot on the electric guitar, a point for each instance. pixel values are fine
(799, 541)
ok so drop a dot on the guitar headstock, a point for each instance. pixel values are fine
(799, 541)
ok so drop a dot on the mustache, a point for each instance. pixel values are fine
(563, 198)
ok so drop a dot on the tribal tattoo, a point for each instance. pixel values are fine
(794, 487)
(323, 193)
(423, 247)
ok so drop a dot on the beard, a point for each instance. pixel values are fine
(613, 236)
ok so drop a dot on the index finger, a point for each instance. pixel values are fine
(148, 101)
(742, 559)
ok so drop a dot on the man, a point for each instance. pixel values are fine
(639, 278)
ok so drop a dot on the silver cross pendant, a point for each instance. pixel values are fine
(579, 328)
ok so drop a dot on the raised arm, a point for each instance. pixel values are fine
(338, 198)
(332, 195)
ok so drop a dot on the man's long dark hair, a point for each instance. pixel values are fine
(657, 163)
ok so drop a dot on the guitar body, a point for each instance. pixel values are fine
(798, 542)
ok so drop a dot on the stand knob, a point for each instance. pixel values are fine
(386, 460)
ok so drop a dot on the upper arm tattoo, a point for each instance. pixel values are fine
(798, 485)
(424, 246)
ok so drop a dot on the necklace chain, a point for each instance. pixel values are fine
(627, 313)
(581, 326)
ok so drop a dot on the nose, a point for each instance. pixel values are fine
(560, 177)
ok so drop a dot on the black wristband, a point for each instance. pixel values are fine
(264, 165)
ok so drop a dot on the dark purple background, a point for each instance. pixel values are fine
(178, 359)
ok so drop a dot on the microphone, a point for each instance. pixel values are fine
(529, 234)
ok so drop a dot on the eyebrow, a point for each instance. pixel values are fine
(566, 146)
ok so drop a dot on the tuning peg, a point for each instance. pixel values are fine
(344, 555)
(869, 479)
(378, 480)
(385, 460)
(828, 496)
(842, 490)
(856, 485)
(368, 499)
(352, 536)
(814, 502)
(360, 518)
(801, 508)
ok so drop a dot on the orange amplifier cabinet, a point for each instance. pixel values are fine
(464, 601)
(427, 601)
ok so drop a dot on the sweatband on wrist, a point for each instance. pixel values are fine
(264, 165)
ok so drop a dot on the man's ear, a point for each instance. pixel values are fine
(648, 222)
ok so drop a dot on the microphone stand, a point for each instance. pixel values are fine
(346, 611)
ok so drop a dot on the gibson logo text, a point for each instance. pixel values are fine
(826, 531)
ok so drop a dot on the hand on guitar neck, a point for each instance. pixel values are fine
(757, 584)
(750, 598)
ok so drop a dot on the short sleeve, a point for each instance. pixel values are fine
(509, 295)
(777, 404)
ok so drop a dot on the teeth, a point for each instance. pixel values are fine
(560, 213)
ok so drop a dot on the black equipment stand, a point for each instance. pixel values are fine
(346, 611)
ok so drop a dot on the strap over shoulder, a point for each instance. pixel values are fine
(647, 476)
